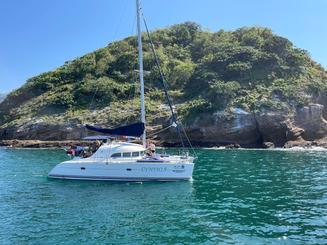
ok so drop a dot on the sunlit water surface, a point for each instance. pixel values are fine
(237, 196)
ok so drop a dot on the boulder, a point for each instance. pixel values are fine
(232, 146)
(310, 119)
(268, 145)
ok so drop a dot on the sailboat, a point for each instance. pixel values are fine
(125, 161)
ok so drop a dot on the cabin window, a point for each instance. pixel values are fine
(141, 153)
(116, 155)
(135, 154)
(126, 154)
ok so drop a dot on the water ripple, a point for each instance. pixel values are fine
(243, 197)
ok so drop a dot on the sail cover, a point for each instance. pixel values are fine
(97, 137)
(135, 130)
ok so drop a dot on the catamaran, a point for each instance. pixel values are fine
(125, 161)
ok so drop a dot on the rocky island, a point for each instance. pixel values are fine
(248, 88)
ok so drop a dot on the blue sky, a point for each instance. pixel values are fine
(40, 35)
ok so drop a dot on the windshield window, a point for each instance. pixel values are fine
(116, 155)
(135, 154)
(126, 154)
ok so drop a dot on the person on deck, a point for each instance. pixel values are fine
(95, 146)
(151, 149)
(79, 150)
(71, 151)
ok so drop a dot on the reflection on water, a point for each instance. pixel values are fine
(236, 197)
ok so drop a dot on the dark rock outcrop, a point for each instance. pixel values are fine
(42, 143)
(234, 127)
(310, 119)
(266, 129)
(222, 128)
(44, 131)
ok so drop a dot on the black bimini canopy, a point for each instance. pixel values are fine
(135, 130)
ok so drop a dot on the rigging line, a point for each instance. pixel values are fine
(92, 100)
(163, 82)
(188, 140)
(160, 131)
(160, 71)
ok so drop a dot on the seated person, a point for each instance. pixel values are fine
(71, 150)
(79, 150)
(151, 150)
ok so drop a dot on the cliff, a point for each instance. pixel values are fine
(248, 87)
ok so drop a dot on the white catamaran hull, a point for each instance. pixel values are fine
(123, 171)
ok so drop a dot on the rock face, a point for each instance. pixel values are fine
(266, 129)
(310, 119)
(42, 144)
(44, 131)
(272, 127)
(223, 128)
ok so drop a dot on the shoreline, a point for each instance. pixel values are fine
(41, 144)
(54, 144)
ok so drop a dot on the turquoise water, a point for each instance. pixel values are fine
(237, 196)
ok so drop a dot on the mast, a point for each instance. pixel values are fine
(139, 37)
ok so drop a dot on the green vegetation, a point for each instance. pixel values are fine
(250, 68)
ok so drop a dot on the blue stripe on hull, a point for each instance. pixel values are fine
(80, 177)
